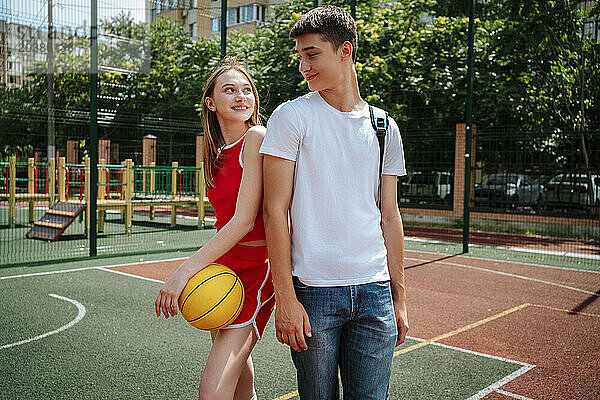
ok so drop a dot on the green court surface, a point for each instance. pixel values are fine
(147, 236)
(114, 347)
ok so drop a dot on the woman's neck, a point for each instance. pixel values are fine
(232, 131)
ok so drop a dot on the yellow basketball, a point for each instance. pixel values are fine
(213, 298)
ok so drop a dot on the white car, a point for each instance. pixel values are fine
(571, 191)
(507, 189)
(429, 186)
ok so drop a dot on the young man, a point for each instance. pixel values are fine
(337, 266)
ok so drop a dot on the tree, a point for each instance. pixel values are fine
(529, 75)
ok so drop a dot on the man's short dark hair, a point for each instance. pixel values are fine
(335, 25)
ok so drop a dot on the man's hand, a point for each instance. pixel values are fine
(401, 320)
(291, 324)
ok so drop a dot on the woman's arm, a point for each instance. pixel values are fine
(242, 222)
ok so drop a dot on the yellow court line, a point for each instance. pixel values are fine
(460, 330)
(440, 337)
(287, 396)
(464, 329)
(566, 311)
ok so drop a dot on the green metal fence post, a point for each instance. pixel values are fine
(223, 28)
(93, 199)
(12, 189)
(469, 123)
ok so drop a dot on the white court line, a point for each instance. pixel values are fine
(406, 258)
(513, 395)
(524, 368)
(476, 353)
(508, 274)
(546, 252)
(130, 275)
(504, 261)
(45, 273)
(494, 386)
(517, 249)
(80, 314)
(62, 271)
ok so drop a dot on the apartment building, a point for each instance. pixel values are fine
(24, 48)
(202, 18)
(21, 48)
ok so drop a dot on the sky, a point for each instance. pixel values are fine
(67, 14)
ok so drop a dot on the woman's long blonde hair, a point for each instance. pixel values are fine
(213, 137)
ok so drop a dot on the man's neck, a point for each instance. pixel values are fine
(344, 97)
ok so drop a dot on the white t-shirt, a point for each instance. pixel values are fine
(335, 223)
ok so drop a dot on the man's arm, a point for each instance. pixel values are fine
(291, 320)
(393, 234)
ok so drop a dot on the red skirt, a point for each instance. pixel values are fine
(252, 266)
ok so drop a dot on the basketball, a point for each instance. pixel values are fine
(212, 298)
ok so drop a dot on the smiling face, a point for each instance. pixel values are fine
(319, 63)
(233, 98)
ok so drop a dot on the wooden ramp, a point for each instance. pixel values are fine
(56, 220)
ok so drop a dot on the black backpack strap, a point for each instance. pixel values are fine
(380, 122)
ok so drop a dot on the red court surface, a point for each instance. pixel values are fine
(543, 316)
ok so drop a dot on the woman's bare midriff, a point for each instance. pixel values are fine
(254, 243)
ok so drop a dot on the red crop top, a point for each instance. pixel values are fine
(223, 195)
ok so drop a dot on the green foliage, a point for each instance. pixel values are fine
(271, 61)
(528, 73)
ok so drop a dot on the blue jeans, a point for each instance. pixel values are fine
(353, 327)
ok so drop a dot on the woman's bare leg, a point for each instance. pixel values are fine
(245, 386)
(226, 372)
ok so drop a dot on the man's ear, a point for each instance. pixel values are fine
(210, 104)
(346, 50)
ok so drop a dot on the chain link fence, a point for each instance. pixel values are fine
(535, 179)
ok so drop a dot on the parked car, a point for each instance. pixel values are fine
(402, 189)
(508, 190)
(571, 191)
(429, 186)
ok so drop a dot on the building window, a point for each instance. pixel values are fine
(216, 24)
(193, 30)
(247, 13)
(153, 15)
(260, 13)
(591, 28)
(232, 14)
(426, 19)
(243, 13)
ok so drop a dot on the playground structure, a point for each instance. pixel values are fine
(125, 187)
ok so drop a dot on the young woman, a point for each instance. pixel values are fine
(233, 172)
